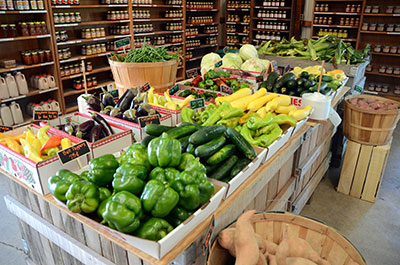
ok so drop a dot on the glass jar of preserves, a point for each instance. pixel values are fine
(72, 18)
(98, 33)
(89, 82)
(381, 27)
(38, 28)
(67, 18)
(44, 27)
(27, 58)
(24, 29)
(61, 17)
(67, 70)
(78, 84)
(103, 48)
(93, 33)
(60, 55)
(41, 56)
(89, 67)
(63, 35)
(12, 31)
(84, 50)
(103, 32)
(56, 19)
(378, 48)
(4, 31)
(35, 57)
(62, 71)
(77, 68)
(47, 56)
(94, 81)
(65, 53)
(78, 18)
(88, 50)
(72, 70)
(98, 48)
(58, 38)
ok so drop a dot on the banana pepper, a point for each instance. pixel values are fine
(216, 114)
(187, 115)
(285, 119)
(42, 134)
(256, 122)
(30, 152)
(207, 112)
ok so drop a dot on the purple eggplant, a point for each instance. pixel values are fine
(108, 99)
(93, 102)
(101, 121)
(129, 115)
(125, 101)
(95, 133)
(86, 126)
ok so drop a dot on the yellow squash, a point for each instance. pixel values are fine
(237, 95)
(285, 109)
(300, 113)
(244, 102)
(260, 102)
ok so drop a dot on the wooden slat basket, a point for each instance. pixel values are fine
(160, 75)
(328, 243)
(371, 127)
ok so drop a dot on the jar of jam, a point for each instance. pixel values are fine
(98, 48)
(67, 71)
(88, 50)
(38, 28)
(44, 28)
(77, 68)
(381, 27)
(386, 49)
(61, 18)
(58, 38)
(103, 32)
(64, 35)
(103, 48)
(367, 9)
(372, 27)
(78, 84)
(62, 71)
(389, 9)
(35, 57)
(60, 55)
(47, 56)
(78, 18)
(72, 69)
(88, 82)
(12, 31)
(84, 50)
(94, 81)
(56, 19)
(98, 33)
(378, 48)
(27, 58)
(393, 49)
(65, 53)
(32, 29)
(72, 17)
(390, 28)
(89, 67)
(24, 29)
(41, 56)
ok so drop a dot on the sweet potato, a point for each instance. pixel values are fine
(271, 260)
(261, 259)
(299, 261)
(283, 248)
(271, 247)
(300, 248)
(246, 248)
(226, 240)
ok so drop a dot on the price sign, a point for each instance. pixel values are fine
(226, 89)
(122, 43)
(218, 64)
(153, 119)
(44, 115)
(192, 73)
(259, 78)
(146, 87)
(4, 128)
(73, 152)
(197, 103)
(275, 66)
(207, 238)
(114, 93)
(174, 89)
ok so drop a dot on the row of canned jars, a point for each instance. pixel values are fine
(73, 69)
(61, 18)
(117, 15)
(80, 83)
(142, 28)
(91, 33)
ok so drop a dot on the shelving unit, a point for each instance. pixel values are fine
(12, 47)
(237, 26)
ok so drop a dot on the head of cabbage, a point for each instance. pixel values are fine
(208, 62)
(248, 51)
(232, 60)
(253, 65)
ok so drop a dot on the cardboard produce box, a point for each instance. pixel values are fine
(35, 175)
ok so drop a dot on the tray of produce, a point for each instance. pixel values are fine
(102, 136)
(149, 197)
(29, 153)
(208, 95)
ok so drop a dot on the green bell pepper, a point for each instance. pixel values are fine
(82, 196)
(84, 175)
(158, 198)
(164, 151)
(104, 193)
(187, 115)
(209, 83)
(130, 177)
(154, 229)
(256, 122)
(178, 215)
(59, 184)
(102, 208)
(189, 162)
(137, 155)
(202, 84)
(285, 119)
(123, 212)
(102, 169)
(244, 85)
(164, 175)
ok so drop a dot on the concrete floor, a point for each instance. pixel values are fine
(373, 228)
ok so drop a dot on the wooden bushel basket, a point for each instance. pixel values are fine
(371, 127)
(328, 243)
(160, 75)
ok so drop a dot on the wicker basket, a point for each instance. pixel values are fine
(371, 127)
(325, 240)
(160, 75)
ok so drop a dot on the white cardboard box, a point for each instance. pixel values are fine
(35, 175)
(278, 143)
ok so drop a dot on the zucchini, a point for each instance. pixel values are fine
(304, 74)
(190, 149)
(179, 132)
(307, 84)
(311, 77)
(156, 129)
(293, 93)
(271, 80)
(291, 85)
(206, 134)
(276, 90)
(241, 143)
(287, 77)
(210, 148)
(327, 91)
(225, 168)
(242, 163)
(315, 88)
(327, 78)
(211, 168)
(225, 152)
(277, 85)
(146, 140)
(188, 123)
(184, 142)
(283, 90)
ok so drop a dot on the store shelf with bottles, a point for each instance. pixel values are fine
(89, 6)
(71, 91)
(32, 92)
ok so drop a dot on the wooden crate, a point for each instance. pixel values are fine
(363, 169)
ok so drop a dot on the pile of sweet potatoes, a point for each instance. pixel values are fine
(372, 104)
(250, 248)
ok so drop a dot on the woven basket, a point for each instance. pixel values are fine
(160, 75)
(324, 240)
(371, 127)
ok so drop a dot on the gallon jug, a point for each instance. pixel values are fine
(43, 83)
(1, 122)
(3, 89)
(6, 115)
(55, 106)
(21, 83)
(51, 81)
(12, 86)
(36, 107)
(45, 105)
(33, 81)
(16, 113)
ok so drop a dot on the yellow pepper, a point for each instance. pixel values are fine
(51, 151)
(15, 137)
(13, 145)
(36, 145)
(30, 152)
(29, 136)
(42, 134)
(65, 143)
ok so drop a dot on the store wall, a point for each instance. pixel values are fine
(308, 13)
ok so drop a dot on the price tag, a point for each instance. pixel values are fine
(197, 103)
(174, 89)
(275, 66)
(146, 87)
(44, 115)
(207, 238)
(114, 93)
(153, 119)
(122, 43)
(73, 152)
(4, 128)
(358, 89)
(226, 89)
(259, 78)
(218, 64)
(192, 73)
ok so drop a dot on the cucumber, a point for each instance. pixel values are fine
(292, 93)
(184, 142)
(210, 148)
(222, 154)
(327, 78)
(307, 84)
(179, 132)
(211, 168)
(291, 85)
(327, 91)
(188, 123)
(300, 81)
(315, 88)
(287, 77)
(242, 163)
(156, 129)
(225, 168)
(271, 79)
(277, 85)
(146, 140)
(241, 143)
(206, 134)
(304, 74)
(311, 77)
(283, 90)
(190, 149)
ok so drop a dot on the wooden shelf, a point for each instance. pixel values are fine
(157, 33)
(202, 10)
(77, 41)
(235, 44)
(380, 32)
(339, 0)
(382, 74)
(273, 19)
(170, 6)
(201, 47)
(201, 25)
(156, 19)
(94, 71)
(23, 67)
(169, 44)
(202, 35)
(270, 30)
(237, 23)
(238, 9)
(32, 92)
(348, 39)
(83, 57)
(385, 54)
(87, 23)
(71, 92)
(336, 26)
(381, 15)
(86, 6)
(336, 13)
(23, 12)
(273, 7)
(25, 38)
(237, 33)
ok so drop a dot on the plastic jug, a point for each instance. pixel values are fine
(54, 105)
(45, 105)
(21, 83)
(16, 113)
(3, 89)
(43, 83)
(6, 115)
(36, 107)
(51, 81)
(1, 122)
(12, 86)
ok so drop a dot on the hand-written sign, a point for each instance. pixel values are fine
(153, 119)
(122, 43)
(259, 78)
(226, 89)
(146, 87)
(192, 73)
(44, 115)
(174, 89)
(73, 152)
(275, 66)
(218, 64)
(114, 93)
(197, 103)
(207, 238)
(4, 128)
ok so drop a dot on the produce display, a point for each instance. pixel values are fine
(300, 81)
(372, 104)
(37, 147)
(165, 100)
(328, 48)
(208, 96)
(147, 54)
(146, 192)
